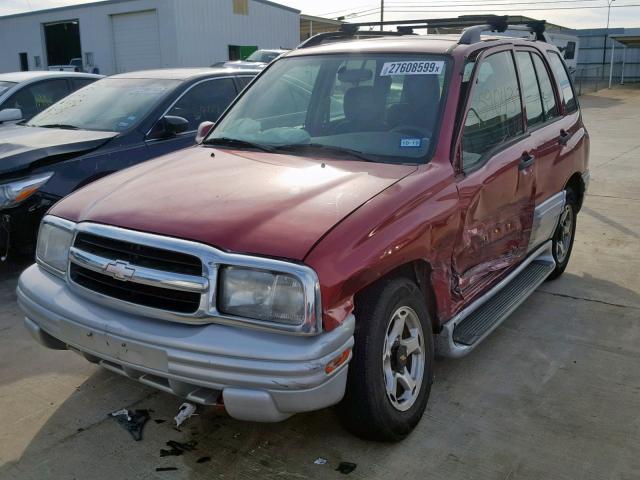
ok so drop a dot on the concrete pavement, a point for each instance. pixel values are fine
(554, 393)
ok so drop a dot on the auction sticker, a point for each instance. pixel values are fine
(422, 67)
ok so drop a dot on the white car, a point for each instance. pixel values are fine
(25, 94)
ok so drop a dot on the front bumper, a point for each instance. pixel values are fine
(258, 376)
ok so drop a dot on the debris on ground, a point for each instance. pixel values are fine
(159, 420)
(346, 467)
(177, 448)
(185, 412)
(132, 420)
(166, 469)
(203, 460)
(320, 461)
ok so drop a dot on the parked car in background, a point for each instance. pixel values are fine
(258, 59)
(318, 248)
(111, 124)
(75, 65)
(25, 94)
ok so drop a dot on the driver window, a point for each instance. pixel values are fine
(495, 112)
(35, 98)
(205, 102)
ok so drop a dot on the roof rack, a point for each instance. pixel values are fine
(347, 31)
(473, 27)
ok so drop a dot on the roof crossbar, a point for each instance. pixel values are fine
(473, 27)
(347, 31)
(471, 35)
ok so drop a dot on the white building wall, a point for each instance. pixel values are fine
(24, 33)
(206, 28)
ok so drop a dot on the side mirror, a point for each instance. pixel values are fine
(169, 126)
(203, 130)
(10, 115)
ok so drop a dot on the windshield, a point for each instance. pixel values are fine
(4, 86)
(110, 104)
(263, 56)
(375, 107)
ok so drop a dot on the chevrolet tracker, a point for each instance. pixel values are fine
(365, 204)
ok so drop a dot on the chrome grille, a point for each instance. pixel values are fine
(139, 274)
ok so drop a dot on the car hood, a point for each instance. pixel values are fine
(241, 201)
(21, 146)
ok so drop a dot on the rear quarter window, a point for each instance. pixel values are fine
(566, 88)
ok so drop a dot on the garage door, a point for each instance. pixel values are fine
(136, 41)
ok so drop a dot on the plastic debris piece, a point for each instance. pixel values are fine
(177, 448)
(124, 411)
(165, 469)
(132, 420)
(203, 460)
(320, 461)
(159, 420)
(185, 412)
(346, 467)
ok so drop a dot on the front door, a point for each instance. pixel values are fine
(497, 182)
(204, 101)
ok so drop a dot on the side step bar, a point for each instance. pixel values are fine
(468, 328)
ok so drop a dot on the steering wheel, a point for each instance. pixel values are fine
(412, 130)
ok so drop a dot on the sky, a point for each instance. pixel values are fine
(569, 13)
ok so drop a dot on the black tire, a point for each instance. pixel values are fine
(561, 263)
(366, 410)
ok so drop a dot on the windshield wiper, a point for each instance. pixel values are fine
(330, 148)
(236, 142)
(63, 126)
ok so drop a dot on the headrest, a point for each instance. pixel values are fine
(360, 104)
(354, 75)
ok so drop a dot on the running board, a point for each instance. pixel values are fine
(468, 328)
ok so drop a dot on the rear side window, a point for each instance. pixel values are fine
(243, 82)
(561, 74)
(546, 88)
(530, 90)
(495, 112)
(78, 83)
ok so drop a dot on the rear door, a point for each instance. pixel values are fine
(545, 125)
(496, 182)
(569, 133)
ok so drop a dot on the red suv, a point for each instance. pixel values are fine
(363, 205)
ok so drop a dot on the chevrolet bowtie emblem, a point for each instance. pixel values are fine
(120, 270)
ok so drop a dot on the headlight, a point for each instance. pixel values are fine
(262, 295)
(54, 241)
(16, 191)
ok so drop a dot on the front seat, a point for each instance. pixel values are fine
(363, 111)
(419, 105)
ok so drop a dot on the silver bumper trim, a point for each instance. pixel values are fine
(261, 376)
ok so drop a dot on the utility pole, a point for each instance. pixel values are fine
(606, 36)
(382, 13)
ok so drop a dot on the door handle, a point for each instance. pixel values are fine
(564, 137)
(526, 160)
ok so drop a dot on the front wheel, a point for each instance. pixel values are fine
(391, 371)
(563, 237)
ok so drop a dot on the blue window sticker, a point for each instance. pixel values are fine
(410, 143)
